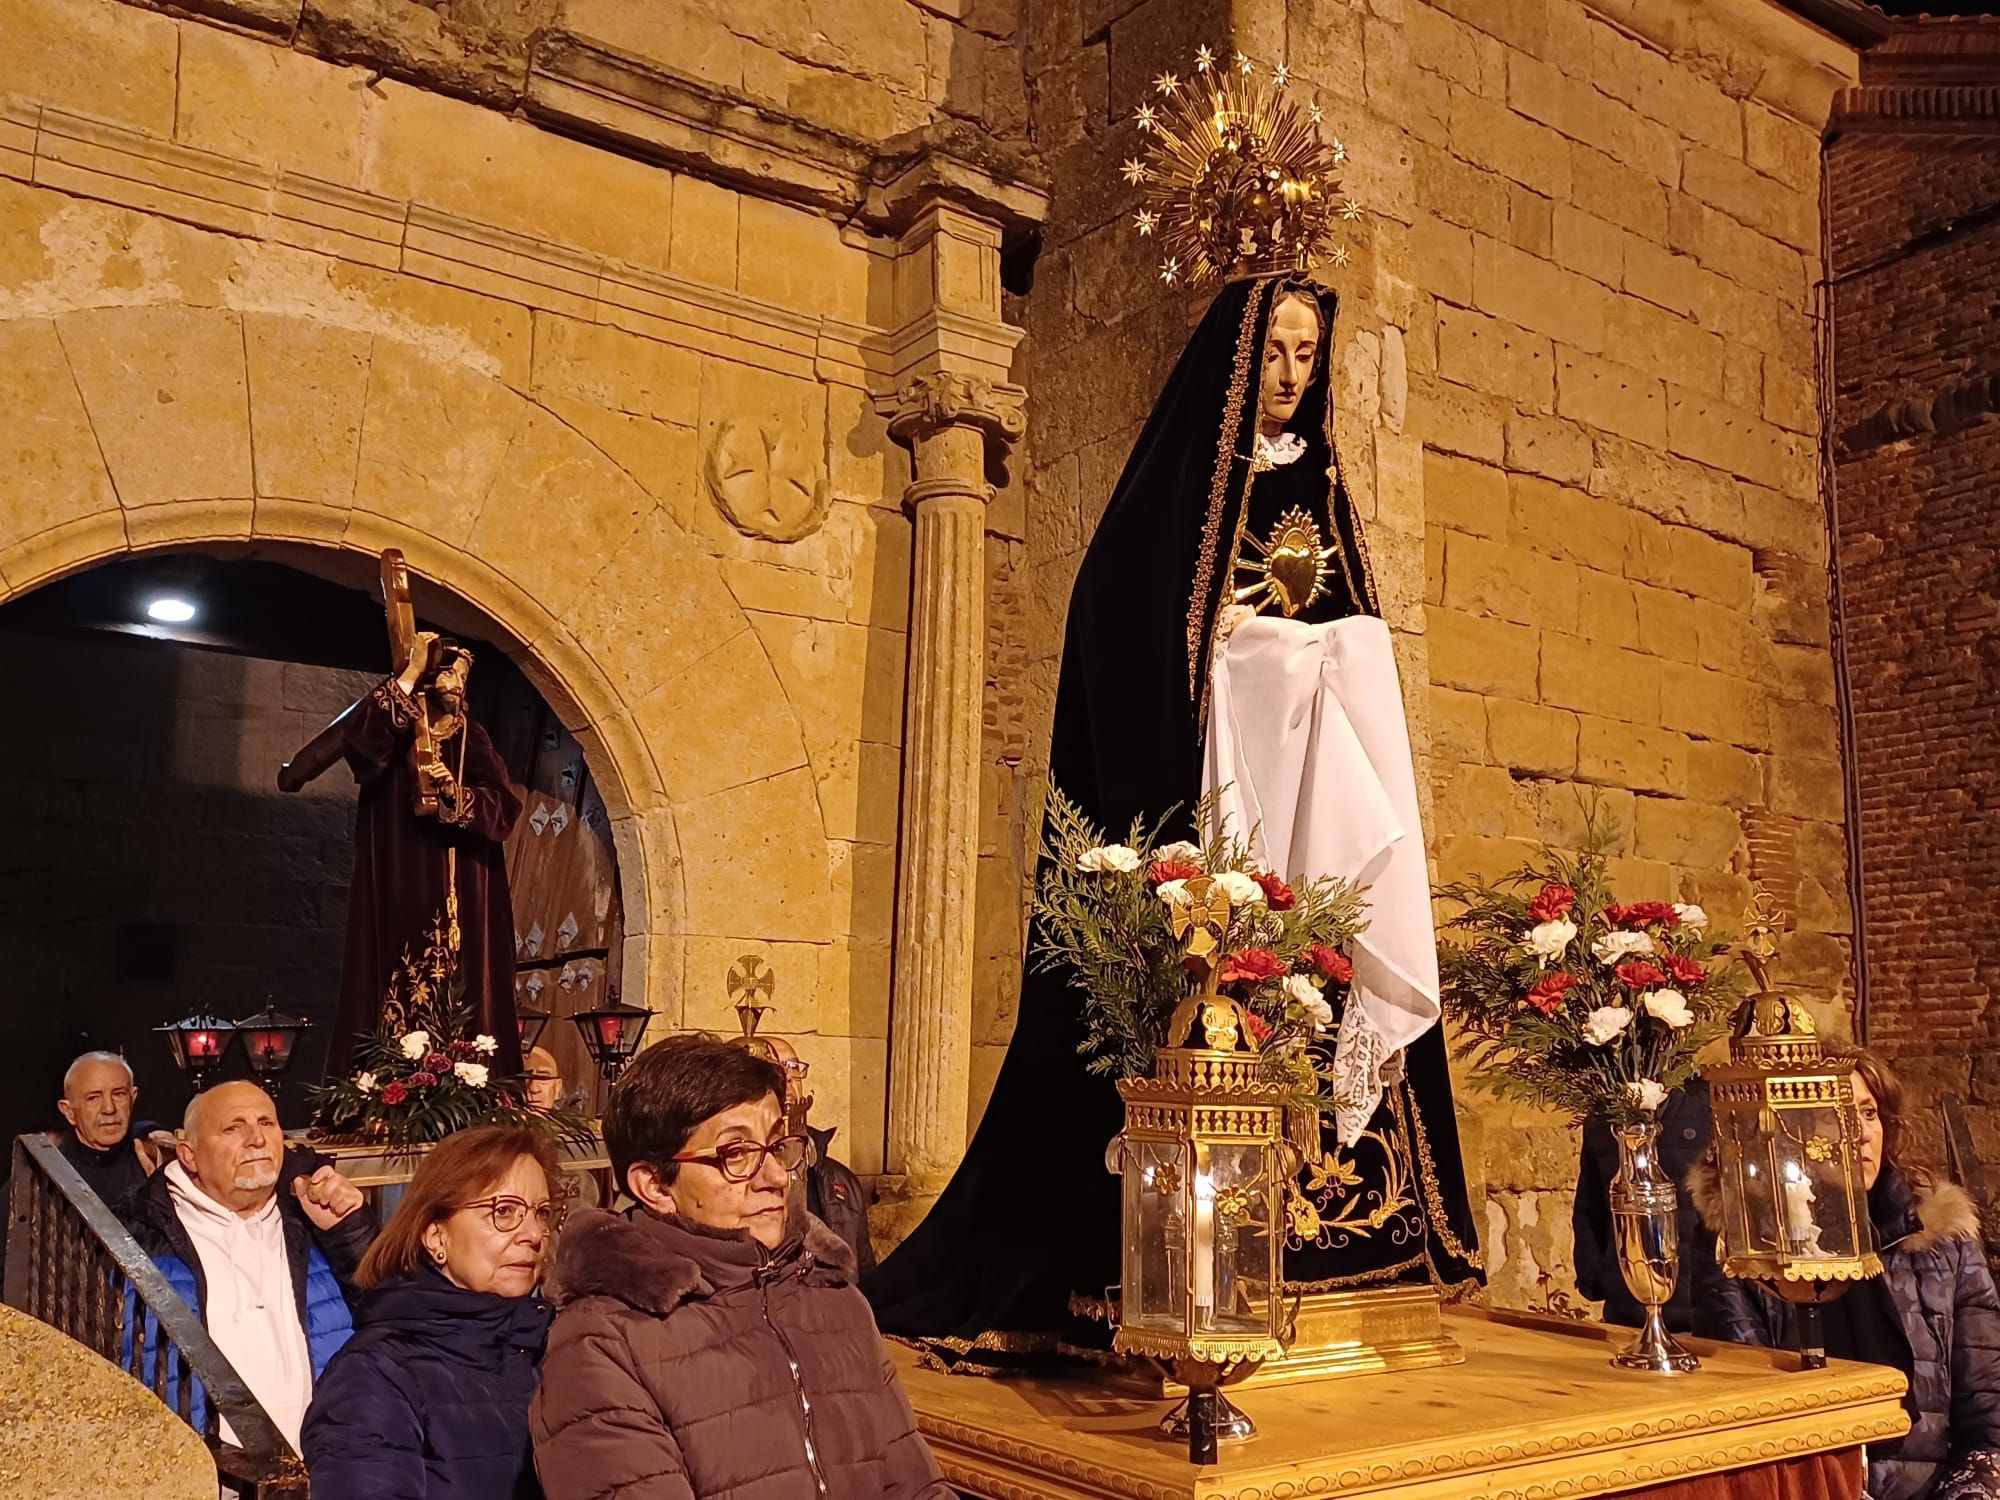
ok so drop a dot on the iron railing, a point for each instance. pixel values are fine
(73, 1265)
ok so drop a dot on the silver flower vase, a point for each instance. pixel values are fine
(1645, 1218)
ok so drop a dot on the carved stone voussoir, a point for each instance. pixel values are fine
(945, 398)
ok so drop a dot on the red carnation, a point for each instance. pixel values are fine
(1640, 974)
(1547, 996)
(418, 1080)
(461, 1049)
(1552, 902)
(1331, 963)
(394, 1093)
(1277, 895)
(1253, 964)
(436, 1062)
(1642, 914)
(1165, 870)
(1685, 971)
(1257, 1026)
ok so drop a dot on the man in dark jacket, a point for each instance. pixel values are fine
(267, 1268)
(110, 1151)
(834, 1195)
(1685, 1123)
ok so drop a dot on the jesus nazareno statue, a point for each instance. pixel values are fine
(1223, 636)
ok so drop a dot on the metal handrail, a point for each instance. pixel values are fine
(72, 1264)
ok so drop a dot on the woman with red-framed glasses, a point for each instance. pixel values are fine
(429, 1399)
(712, 1341)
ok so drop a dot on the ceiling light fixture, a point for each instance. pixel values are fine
(170, 610)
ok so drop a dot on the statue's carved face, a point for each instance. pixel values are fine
(1290, 347)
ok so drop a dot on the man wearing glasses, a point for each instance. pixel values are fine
(834, 1194)
(713, 1342)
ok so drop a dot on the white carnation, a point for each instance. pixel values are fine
(471, 1073)
(1239, 888)
(1693, 918)
(365, 1082)
(416, 1044)
(1180, 851)
(1615, 947)
(1668, 1005)
(1548, 940)
(1647, 1093)
(1173, 892)
(1301, 991)
(485, 1045)
(1122, 858)
(1605, 1024)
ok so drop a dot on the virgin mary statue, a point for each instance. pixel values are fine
(1224, 636)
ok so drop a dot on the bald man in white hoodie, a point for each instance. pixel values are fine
(261, 1242)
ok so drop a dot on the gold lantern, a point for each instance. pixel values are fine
(1203, 1164)
(1787, 1147)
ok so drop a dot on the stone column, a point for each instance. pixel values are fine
(948, 420)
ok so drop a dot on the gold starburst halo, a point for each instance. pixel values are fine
(1236, 178)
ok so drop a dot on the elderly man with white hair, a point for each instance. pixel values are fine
(261, 1242)
(109, 1150)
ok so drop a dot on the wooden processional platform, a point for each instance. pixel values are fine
(1533, 1412)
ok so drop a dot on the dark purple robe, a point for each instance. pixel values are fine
(399, 875)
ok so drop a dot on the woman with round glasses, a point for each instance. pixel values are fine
(708, 1343)
(429, 1399)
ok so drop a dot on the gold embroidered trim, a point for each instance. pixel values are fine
(1361, 590)
(1361, 1278)
(1413, 1128)
(401, 708)
(1218, 495)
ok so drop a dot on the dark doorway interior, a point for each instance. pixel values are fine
(150, 868)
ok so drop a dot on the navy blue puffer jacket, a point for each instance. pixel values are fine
(429, 1400)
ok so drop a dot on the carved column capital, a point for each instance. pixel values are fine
(945, 398)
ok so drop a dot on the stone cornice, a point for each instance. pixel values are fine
(1781, 55)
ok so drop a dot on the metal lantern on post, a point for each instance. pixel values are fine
(531, 1021)
(612, 1034)
(1204, 1165)
(198, 1043)
(1787, 1147)
(270, 1037)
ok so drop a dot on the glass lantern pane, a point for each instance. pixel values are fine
(1233, 1207)
(1155, 1184)
(1809, 1157)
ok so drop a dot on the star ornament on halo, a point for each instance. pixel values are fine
(1166, 83)
(1203, 59)
(1244, 65)
(1146, 221)
(1281, 75)
(1170, 270)
(1313, 112)
(1146, 118)
(1134, 170)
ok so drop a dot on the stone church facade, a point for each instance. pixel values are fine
(758, 372)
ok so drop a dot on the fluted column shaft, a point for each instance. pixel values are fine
(949, 422)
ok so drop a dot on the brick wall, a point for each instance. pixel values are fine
(1915, 253)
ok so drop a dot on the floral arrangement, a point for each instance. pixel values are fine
(1569, 999)
(422, 1076)
(1117, 918)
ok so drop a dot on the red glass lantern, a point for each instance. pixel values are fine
(612, 1034)
(199, 1043)
(270, 1037)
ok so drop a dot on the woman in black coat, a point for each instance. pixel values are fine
(429, 1399)
(1932, 1313)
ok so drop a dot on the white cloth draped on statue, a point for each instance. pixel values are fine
(1308, 762)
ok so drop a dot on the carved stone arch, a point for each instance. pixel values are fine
(135, 429)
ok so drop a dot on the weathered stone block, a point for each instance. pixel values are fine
(1551, 447)
(1632, 755)
(1737, 442)
(1806, 730)
(735, 687)
(1667, 342)
(1613, 396)
(1584, 243)
(1675, 490)
(1529, 222)
(1786, 211)
(1441, 258)
(1538, 294)
(95, 57)
(1569, 524)
(1669, 623)
(1481, 800)
(1676, 95)
(1459, 192)
(703, 233)
(1686, 833)
(1709, 568)
(1712, 706)
(1791, 398)
(1490, 578)
(50, 467)
(1610, 190)
(1594, 678)
(1458, 725)
(1454, 419)
(1532, 738)
(246, 99)
(433, 440)
(1724, 775)
(1606, 609)
(308, 381)
(1482, 655)
(1805, 788)
(1495, 356)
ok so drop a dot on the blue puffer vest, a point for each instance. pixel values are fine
(1934, 1267)
(322, 1263)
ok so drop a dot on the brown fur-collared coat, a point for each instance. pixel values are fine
(1934, 1267)
(693, 1364)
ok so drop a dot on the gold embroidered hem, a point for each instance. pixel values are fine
(1218, 499)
